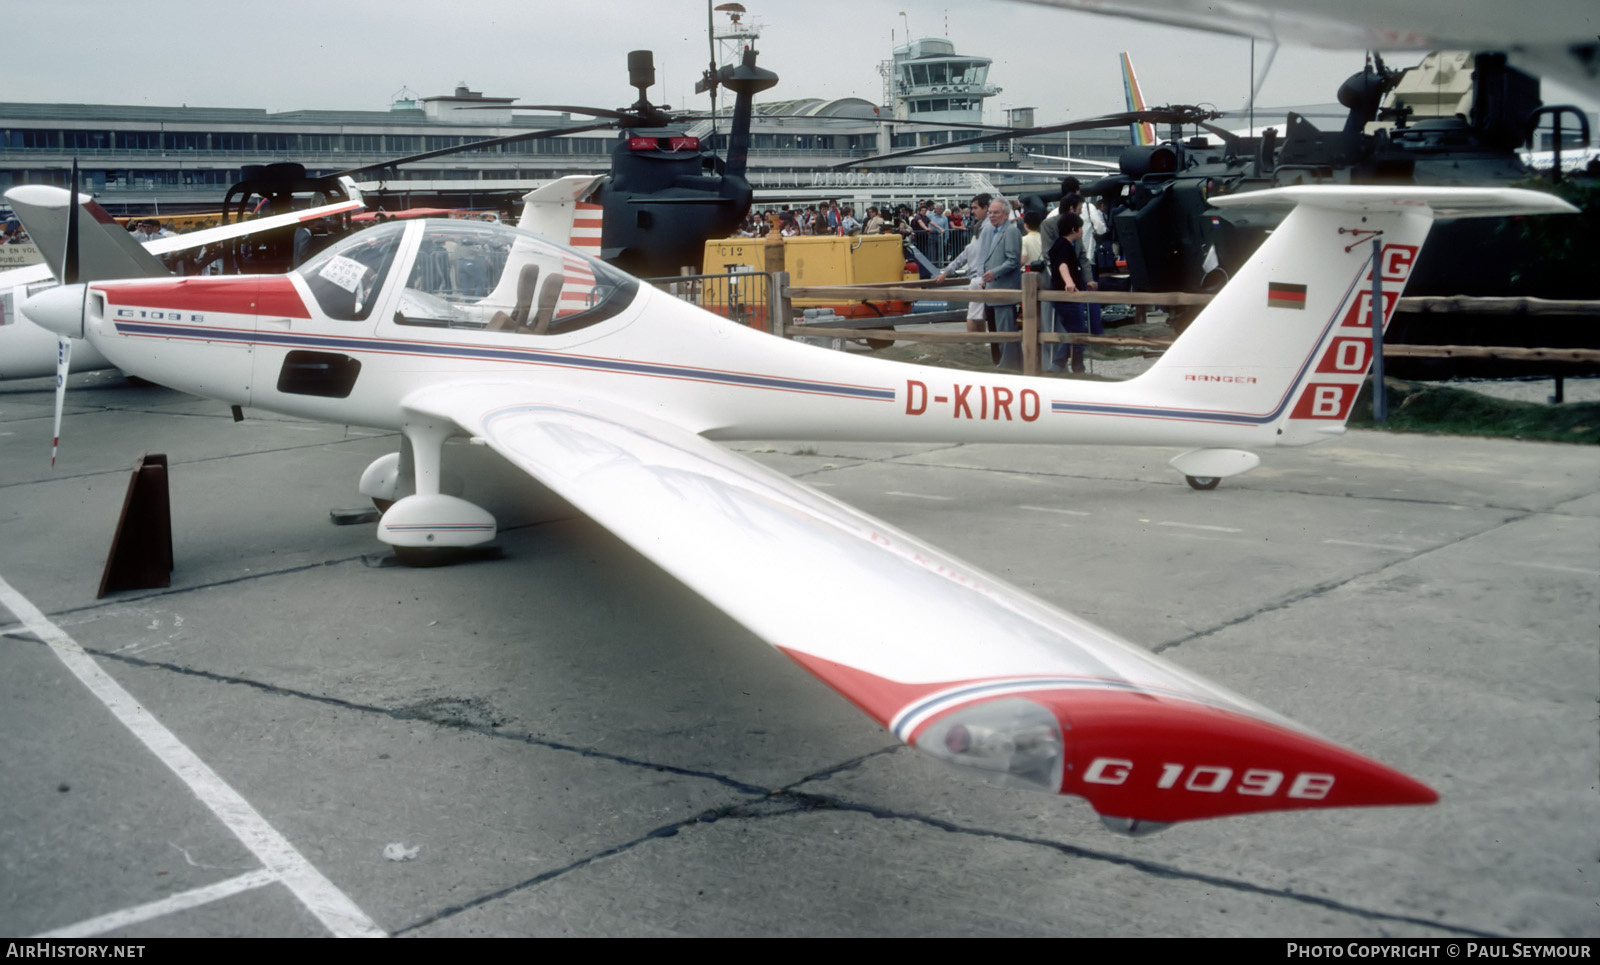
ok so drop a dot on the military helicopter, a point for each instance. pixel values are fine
(1456, 119)
(267, 189)
(666, 193)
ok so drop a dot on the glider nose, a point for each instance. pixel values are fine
(1144, 761)
(58, 309)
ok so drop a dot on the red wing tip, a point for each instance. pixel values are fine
(1160, 759)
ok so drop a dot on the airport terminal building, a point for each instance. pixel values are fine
(140, 160)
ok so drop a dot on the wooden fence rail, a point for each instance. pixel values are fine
(1032, 338)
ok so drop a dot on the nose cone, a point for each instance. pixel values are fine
(58, 309)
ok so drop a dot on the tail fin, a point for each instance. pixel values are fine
(1144, 132)
(106, 249)
(1287, 343)
(562, 212)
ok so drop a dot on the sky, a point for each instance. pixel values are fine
(344, 55)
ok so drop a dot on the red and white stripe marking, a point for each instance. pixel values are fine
(586, 225)
(577, 286)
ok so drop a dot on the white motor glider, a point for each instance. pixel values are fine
(615, 395)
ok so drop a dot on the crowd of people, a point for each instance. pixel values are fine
(922, 226)
(990, 243)
(14, 233)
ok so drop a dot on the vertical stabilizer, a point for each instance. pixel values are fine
(561, 211)
(1286, 345)
(1144, 132)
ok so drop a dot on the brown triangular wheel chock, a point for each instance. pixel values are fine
(141, 548)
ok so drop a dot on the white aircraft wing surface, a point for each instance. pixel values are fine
(1557, 39)
(206, 236)
(952, 660)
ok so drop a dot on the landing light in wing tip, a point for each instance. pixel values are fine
(606, 392)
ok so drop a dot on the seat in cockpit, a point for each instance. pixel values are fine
(549, 295)
(527, 282)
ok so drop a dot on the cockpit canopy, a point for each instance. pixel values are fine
(468, 275)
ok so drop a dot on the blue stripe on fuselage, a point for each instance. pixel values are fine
(481, 353)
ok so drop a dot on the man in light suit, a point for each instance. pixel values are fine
(1002, 268)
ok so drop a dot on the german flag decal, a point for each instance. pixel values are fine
(1281, 295)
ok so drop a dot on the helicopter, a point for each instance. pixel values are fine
(1458, 118)
(666, 193)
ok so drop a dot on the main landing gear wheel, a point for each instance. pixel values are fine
(1202, 483)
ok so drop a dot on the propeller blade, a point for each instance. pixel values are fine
(69, 276)
(491, 142)
(69, 260)
(63, 361)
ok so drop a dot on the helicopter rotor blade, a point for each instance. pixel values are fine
(555, 108)
(886, 120)
(475, 145)
(1156, 115)
(1228, 137)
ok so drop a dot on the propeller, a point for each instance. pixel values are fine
(69, 276)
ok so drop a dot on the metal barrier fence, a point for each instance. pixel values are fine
(743, 296)
(943, 247)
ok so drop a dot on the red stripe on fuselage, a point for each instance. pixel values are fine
(279, 298)
(242, 295)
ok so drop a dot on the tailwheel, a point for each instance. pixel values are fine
(1202, 483)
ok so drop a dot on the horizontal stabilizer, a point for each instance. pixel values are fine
(105, 248)
(1444, 202)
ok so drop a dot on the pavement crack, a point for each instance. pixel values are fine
(445, 717)
(788, 802)
(764, 804)
(343, 440)
(665, 831)
(1330, 585)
